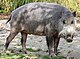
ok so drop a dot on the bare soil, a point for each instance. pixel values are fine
(4, 16)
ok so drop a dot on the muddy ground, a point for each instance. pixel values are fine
(39, 42)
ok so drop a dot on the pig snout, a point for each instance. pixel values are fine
(69, 38)
(68, 33)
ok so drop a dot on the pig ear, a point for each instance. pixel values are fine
(74, 13)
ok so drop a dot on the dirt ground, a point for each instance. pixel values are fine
(38, 42)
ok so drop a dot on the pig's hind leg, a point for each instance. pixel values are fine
(10, 38)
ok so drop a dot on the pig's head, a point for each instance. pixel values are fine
(68, 26)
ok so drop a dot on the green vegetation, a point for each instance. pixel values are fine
(6, 6)
(31, 50)
(28, 56)
(12, 56)
(58, 57)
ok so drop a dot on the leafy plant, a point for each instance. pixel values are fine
(27, 56)
(32, 50)
(6, 6)
(12, 56)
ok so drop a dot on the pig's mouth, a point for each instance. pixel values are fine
(68, 38)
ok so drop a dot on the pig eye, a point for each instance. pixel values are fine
(72, 22)
(63, 22)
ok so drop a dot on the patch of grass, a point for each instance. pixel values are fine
(32, 50)
(57, 57)
(45, 57)
(12, 56)
(30, 56)
(27, 56)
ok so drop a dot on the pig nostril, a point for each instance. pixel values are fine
(69, 40)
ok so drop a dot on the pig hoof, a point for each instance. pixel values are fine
(25, 52)
(6, 51)
(52, 55)
(58, 53)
